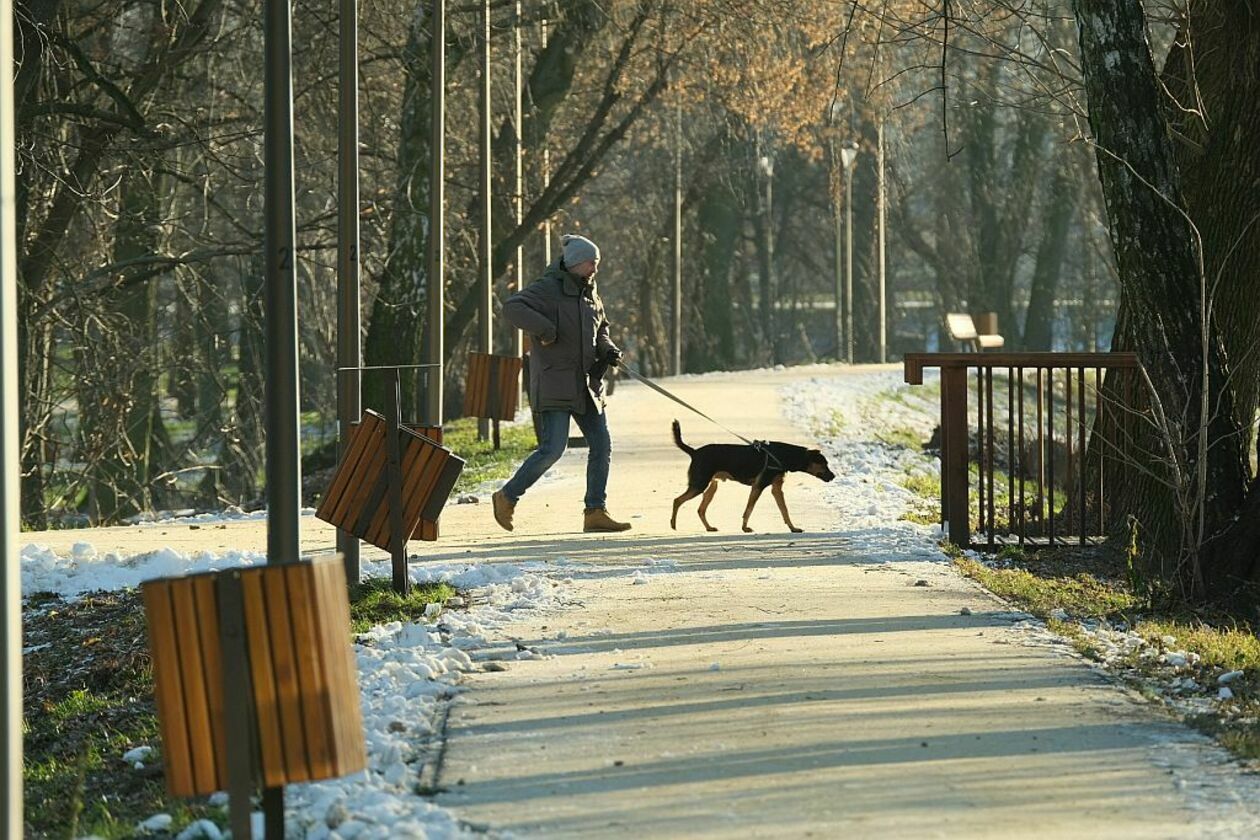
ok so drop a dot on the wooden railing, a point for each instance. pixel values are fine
(1048, 403)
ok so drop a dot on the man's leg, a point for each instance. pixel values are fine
(553, 428)
(594, 426)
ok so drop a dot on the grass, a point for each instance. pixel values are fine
(1081, 595)
(374, 602)
(1221, 645)
(484, 462)
(88, 699)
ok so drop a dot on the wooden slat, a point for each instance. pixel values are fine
(168, 687)
(196, 699)
(334, 623)
(311, 670)
(337, 609)
(418, 450)
(417, 479)
(420, 483)
(270, 733)
(511, 367)
(914, 363)
(413, 449)
(325, 625)
(212, 655)
(372, 468)
(345, 471)
(427, 530)
(279, 637)
(372, 431)
(437, 495)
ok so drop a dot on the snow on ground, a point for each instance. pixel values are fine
(848, 415)
(85, 570)
(407, 673)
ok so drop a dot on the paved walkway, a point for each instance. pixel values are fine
(780, 685)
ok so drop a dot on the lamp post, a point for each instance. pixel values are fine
(10, 575)
(848, 157)
(882, 198)
(435, 347)
(349, 323)
(676, 297)
(485, 291)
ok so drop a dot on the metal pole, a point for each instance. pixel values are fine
(284, 465)
(279, 234)
(518, 157)
(883, 285)
(848, 259)
(435, 349)
(838, 225)
(11, 823)
(546, 171)
(676, 333)
(485, 293)
(349, 324)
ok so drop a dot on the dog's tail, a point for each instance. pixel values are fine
(678, 441)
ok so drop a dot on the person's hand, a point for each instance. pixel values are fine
(546, 342)
(613, 357)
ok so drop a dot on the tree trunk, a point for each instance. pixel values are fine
(1201, 480)
(719, 222)
(1039, 319)
(397, 322)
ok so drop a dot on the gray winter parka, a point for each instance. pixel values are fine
(565, 311)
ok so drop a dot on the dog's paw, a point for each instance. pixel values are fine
(798, 530)
(710, 528)
(747, 530)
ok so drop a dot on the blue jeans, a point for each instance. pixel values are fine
(553, 428)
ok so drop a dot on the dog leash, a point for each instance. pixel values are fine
(755, 444)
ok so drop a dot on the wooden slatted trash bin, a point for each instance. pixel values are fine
(254, 677)
(389, 481)
(493, 389)
(357, 501)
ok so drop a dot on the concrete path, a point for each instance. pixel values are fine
(778, 685)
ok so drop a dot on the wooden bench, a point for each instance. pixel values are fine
(254, 678)
(962, 329)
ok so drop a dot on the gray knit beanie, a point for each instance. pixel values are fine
(578, 249)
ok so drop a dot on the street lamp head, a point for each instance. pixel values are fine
(766, 165)
(848, 154)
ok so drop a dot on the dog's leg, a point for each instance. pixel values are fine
(752, 503)
(704, 504)
(690, 494)
(777, 489)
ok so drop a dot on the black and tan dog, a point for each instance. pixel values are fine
(761, 466)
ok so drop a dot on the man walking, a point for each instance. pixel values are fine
(564, 317)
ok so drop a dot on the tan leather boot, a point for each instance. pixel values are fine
(597, 519)
(503, 509)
